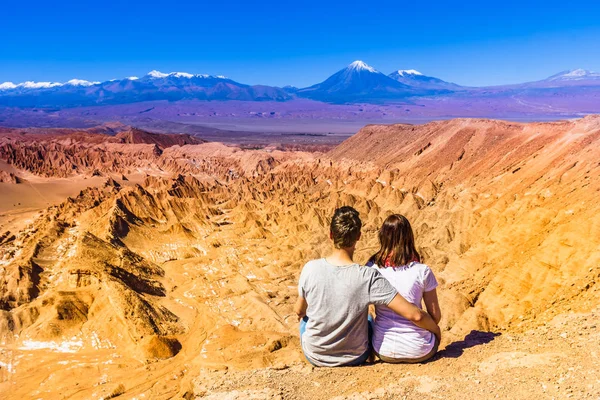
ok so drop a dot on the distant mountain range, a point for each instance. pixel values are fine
(357, 83)
(153, 86)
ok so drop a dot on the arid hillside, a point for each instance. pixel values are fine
(174, 273)
(507, 211)
(67, 152)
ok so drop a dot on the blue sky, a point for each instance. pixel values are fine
(298, 43)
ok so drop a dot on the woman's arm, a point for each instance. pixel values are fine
(433, 306)
(300, 307)
(420, 318)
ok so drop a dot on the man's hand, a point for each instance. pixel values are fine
(420, 318)
(300, 308)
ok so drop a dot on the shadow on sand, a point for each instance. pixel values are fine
(475, 338)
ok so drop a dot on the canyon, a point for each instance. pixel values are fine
(148, 265)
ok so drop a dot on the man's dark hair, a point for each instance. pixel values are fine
(345, 227)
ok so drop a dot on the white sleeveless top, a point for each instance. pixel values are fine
(395, 336)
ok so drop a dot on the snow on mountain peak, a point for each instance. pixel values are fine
(7, 85)
(38, 85)
(361, 66)
(575, 74)
(83, 83)
(44, 85)
(80, 82)
(403, 72)
(181, 75)
(157, 74)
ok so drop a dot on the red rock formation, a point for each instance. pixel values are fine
(9, 177)
(207, 250)
(162, 140)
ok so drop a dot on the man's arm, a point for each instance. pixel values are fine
(420, 318)
(300, 307)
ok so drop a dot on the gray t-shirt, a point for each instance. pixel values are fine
(338, 304)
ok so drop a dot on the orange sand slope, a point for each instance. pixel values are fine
(154, 288)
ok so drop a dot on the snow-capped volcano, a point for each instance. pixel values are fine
(357, 82)
(574, 75)
(414, 78)
(566, 79)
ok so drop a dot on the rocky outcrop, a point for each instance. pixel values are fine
(132, 151)
(162, 140)
(65, 153)
(9, 177)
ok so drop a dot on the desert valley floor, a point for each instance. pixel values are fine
(156, 266)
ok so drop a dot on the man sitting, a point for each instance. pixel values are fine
(334, 297)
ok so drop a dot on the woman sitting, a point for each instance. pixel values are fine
(396, 339)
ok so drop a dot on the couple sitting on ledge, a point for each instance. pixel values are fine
(335, 294)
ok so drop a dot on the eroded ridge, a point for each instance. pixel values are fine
(197, 262)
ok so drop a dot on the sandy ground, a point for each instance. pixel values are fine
(558, 360)
(20, 203)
